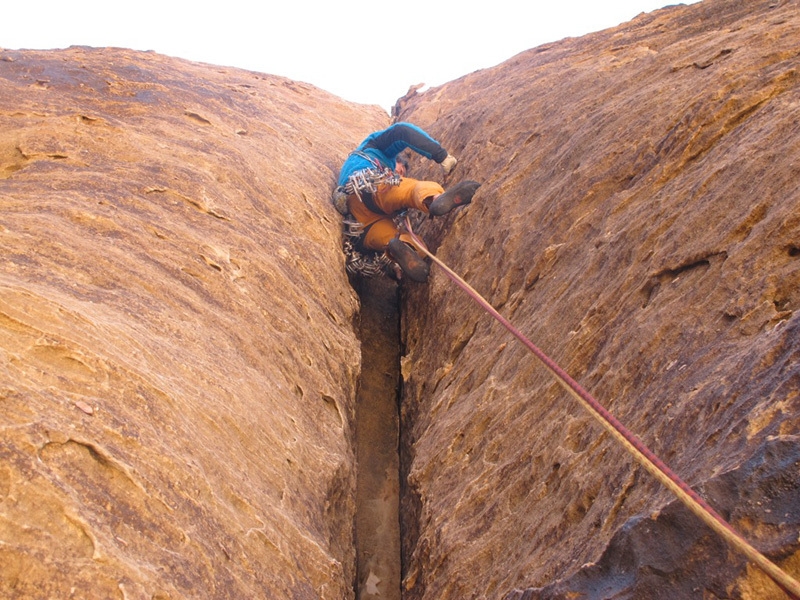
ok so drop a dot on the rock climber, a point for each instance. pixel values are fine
(373, 187)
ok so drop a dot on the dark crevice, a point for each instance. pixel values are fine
(663, 276)
(377, 527)
(667, 274)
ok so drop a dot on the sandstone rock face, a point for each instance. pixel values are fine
(179, 363)
(639, 220)
(177, 355)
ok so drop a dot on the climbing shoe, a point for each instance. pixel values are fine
(408, 259)
(458, 195)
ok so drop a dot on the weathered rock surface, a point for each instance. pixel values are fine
(639, 219)
(178, 361)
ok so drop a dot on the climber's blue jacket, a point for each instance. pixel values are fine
(384, 146)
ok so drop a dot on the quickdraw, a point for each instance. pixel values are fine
(368, 180)
(370, 265)
(358, 261)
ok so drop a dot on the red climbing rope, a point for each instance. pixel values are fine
(643, 455)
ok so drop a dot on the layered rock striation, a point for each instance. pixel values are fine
(178, 361)
(639, 220)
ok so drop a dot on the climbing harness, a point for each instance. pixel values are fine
(368, 180)
(643, 455)
(360, 260)
(363, 184)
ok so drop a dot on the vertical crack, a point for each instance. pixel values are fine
(377, 440)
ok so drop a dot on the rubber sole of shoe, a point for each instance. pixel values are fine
(458, 195)
(408, 259)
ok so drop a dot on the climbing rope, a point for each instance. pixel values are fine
(643, 455)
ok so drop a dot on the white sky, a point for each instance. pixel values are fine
(364, 51)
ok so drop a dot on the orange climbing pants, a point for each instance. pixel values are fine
(380, 229)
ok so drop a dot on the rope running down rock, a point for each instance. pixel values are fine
(643, 455)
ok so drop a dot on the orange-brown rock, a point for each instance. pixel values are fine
(639, 219)
(178, 362)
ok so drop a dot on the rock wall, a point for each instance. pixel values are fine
(639, 220)
(178, 361)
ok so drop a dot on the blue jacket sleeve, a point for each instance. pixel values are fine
(393, 140)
